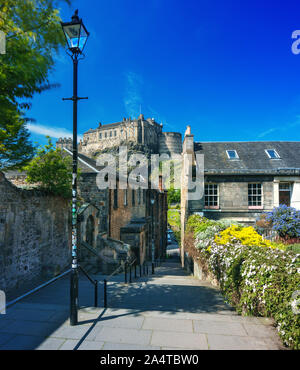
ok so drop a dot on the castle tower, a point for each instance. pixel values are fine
(170, 142)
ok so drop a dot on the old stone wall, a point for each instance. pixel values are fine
(34, 236)
(89, 193)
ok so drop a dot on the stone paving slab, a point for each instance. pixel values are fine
(168, 325)
(121, 335)
(219, 327)
(228, 342)
(181, 340)
(167, 311)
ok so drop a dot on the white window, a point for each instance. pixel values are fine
(232, 154)
(211, 195)
(125, 197)
(272, 154)
(254, 195)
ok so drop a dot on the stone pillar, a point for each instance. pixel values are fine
(295, 196)
(276, 193)
(187, 148)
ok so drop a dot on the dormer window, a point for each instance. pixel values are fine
(232, 154)
(272, 154)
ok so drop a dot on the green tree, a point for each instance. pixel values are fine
(33, 36)
(174, 195)
(51, 170)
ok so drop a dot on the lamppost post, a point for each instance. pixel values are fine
(74, 272)
(152, 201)
(76, 36)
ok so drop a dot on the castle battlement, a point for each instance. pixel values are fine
(146, 132)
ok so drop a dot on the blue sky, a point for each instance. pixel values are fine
(224, 67)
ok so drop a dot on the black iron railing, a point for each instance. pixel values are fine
(127, 268)
(44, 285)
(94, 282)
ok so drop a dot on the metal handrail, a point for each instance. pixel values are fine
(88, 247)
(44, 285)
(94, 282)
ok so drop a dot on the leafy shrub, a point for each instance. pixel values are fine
(51, 170)
(286, 221)
(243, 235)
(260, 281)
(205, 230)
(256, 276)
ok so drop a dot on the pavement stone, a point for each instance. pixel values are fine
(121, 335)
(125, 346)
(168, 311)
(22, 342)
(260, 331)
(211, 327)
(51, 344)
(228, 342)
(163, 324)
(182, 340)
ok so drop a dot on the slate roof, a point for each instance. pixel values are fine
(86, 164)
(252, 157)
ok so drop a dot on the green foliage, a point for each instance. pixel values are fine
(174, 222)
(174, 196)
(255, 280)
(293, 248)
(260, 281)
(33, 36)
(51, 170)
(204, 230)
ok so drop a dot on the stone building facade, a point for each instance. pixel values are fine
(123, 215)
(34, 236)
(241, 179)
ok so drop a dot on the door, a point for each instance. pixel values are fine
(285, 194)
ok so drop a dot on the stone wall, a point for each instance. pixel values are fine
(34, 236)
(89, 193)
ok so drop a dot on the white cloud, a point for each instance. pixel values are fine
(52, 131)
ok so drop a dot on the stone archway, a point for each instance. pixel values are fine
(90, 231)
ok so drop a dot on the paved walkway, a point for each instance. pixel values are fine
(168, 310)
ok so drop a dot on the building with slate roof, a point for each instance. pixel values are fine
(242, 179)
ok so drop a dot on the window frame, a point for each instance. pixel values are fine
(275, 151)
(252, 194)
(236, 154)
(125, 194)
(207, 205)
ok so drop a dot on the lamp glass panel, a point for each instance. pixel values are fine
(72, 33)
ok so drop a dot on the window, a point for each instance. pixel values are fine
(254, 195)
(106, 134)
(272, 154)
(285, 193)
(100, 136)
(110, 133)
(139, 195)
(211, 196)
(144, 196)
(125, 197)
(115, 198)
(115, 133)
(133, 197)
(232, 154)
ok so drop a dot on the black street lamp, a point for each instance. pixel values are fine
(152, 201)
(76, 35)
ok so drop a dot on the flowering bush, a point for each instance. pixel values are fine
(206, 230)
(286, 221)
(255, 280)
(244, 235)
(260, 281)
